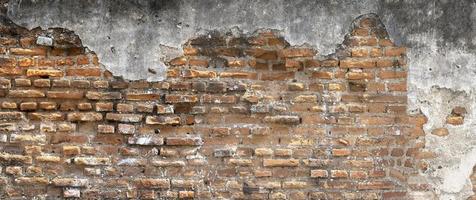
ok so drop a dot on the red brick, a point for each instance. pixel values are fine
(64, 95)
(28, 52)
(83, 72)
(297, 52)
(357, 63)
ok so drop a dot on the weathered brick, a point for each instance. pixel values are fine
(40, 138)
(69, 182)
(64, 94)
(28, 52)
(219, 153)
(124, 108)
(83, 72)
(294, 184)
(11, 115)
(92, 161)
(152, 183)
(12, 159)
(44, 83)
(339, 174)
(61, 83)
(28, 106)
(181, 98)
(145, 107)
(142, 96)
(395, 51)
(455, 120)
(16, 171)
(85, 106)
(165, 109)
(26, 94)
(241, 75)
(103, 106)
(71, 150)
(277, 76)
(297, 52)
(163, 120)
(105, 128)
(103, 95)
(183, 141)
(357, 63)
(127, 118)
(341, 152)
(56, 116)
(22, 82)
(219, 99)
(48, 159)
(375, 185)
(44, 73)
(125, 128)
(71, 193)
(283, 119)
(31, 181)
(263, 152)
(280, 162)
(296, 86)
(84, 116)
(198, 74)
(319, 173)
(146, 140)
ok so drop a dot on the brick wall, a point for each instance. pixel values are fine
(239, 116)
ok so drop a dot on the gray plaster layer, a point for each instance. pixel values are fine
(132, 36)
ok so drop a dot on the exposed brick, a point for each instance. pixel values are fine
(152, 183)
(92, 161)
(183, 141)
(46, 116)
(181, 98)
(43, 73)
(65, 95)
(28, 106)
(142, 96)
(84, 116)
(280, 162)
(83, 72)
(26, 93)
(103, 95)
(103, 106)
(284, 119)
(146, 140)
(354, 63)
(319, 173)
(125, 128)
(297, 52)
(124, 117)
(105, 128)
(28, 52)
(239, 116)
(162, 120)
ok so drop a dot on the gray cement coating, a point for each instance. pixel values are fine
(132, 36)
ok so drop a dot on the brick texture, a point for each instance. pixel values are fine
(238, 117)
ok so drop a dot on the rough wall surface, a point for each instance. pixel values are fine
(138, 39)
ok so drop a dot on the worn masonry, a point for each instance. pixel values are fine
(243, 116)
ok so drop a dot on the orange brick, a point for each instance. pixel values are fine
(319, 173)
(297, 52)
(339, 174)
(44, 73)
(357, 63)
(323, 75)
(83, 72)
(395, 51)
